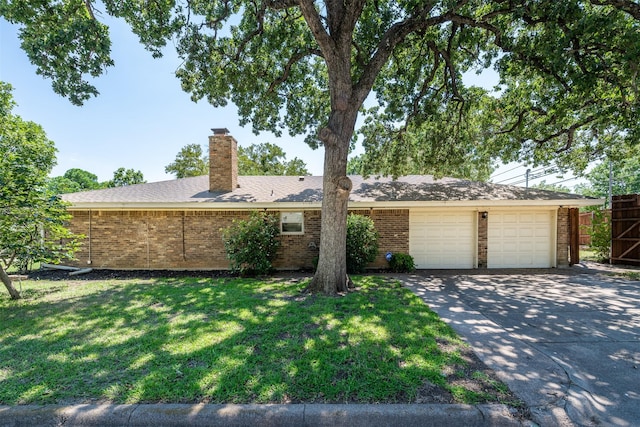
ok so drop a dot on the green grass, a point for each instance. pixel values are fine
(221, 341)
(588, 255)
(631, 275)
(14, 268)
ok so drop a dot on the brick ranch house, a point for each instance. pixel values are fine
(445, 223)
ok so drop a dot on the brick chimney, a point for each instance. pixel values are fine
(223, 161)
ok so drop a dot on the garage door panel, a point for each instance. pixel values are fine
(442, 239)
(519, 240)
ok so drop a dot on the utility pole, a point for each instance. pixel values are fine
(526, 175)
(610, 201)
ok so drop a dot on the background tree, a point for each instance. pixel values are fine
(542, 185)
(190, 161)
(449, 142)
(625, 177)
(567, 70)
(123, 177)
(74, 180)
(62, 185)
(86, 180)
(31, 218)
(268, 159)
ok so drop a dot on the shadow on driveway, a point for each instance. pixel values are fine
(566, 341)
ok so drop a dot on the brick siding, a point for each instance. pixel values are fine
(192, 239)
(223, 163)
(483, 232)
(563, 236)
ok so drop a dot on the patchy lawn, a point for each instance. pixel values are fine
(229, 340)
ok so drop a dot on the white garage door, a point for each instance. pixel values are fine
(520, 239)
(442, 239)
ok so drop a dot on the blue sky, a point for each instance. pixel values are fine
(142, 118)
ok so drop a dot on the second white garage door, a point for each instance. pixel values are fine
(520, 240)
(443, 239)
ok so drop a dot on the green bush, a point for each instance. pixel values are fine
(362, 242)
(402, 263)
(251, 244)
(601, 235)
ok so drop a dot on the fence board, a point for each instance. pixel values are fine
(625, 229)
(585, 228)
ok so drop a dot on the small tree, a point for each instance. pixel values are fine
(362, 242)
(601, 234)
(32, 220)
(251, 244)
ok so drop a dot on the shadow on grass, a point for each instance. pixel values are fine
(219, 341)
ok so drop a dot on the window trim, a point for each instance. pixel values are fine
(282, 222)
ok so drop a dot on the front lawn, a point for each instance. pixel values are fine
(230, 341)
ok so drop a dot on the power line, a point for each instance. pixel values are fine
(535, 174)
(507, 171)
(565, 180)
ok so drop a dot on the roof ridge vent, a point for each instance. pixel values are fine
(301, 178)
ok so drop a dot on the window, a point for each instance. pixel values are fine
(291, 222)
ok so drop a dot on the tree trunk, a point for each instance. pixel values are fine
(9, 285)
(331, 274)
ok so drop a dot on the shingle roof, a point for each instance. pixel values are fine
(292, 189)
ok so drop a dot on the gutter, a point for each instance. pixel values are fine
(236, 206)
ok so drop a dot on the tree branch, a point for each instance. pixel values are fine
(312, 17)
(87, 3)
(520, 119)
(287, 69)
(280, 4)
(628, 6)
(570, 132)
(392, 38)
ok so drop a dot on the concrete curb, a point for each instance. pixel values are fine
(174, 415)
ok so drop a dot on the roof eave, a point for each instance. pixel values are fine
(317, 205)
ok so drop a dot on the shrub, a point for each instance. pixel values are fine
(362, 242)
(601, 235)
(402, 263)
(251, 244)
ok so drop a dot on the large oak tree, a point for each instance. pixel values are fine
(568, 71)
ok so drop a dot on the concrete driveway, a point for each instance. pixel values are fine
(566, 341)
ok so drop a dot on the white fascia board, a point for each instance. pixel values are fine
(228, 206)
(566, 203)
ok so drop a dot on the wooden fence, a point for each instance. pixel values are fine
(625, 229)
(586, 219)
(585, 228)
